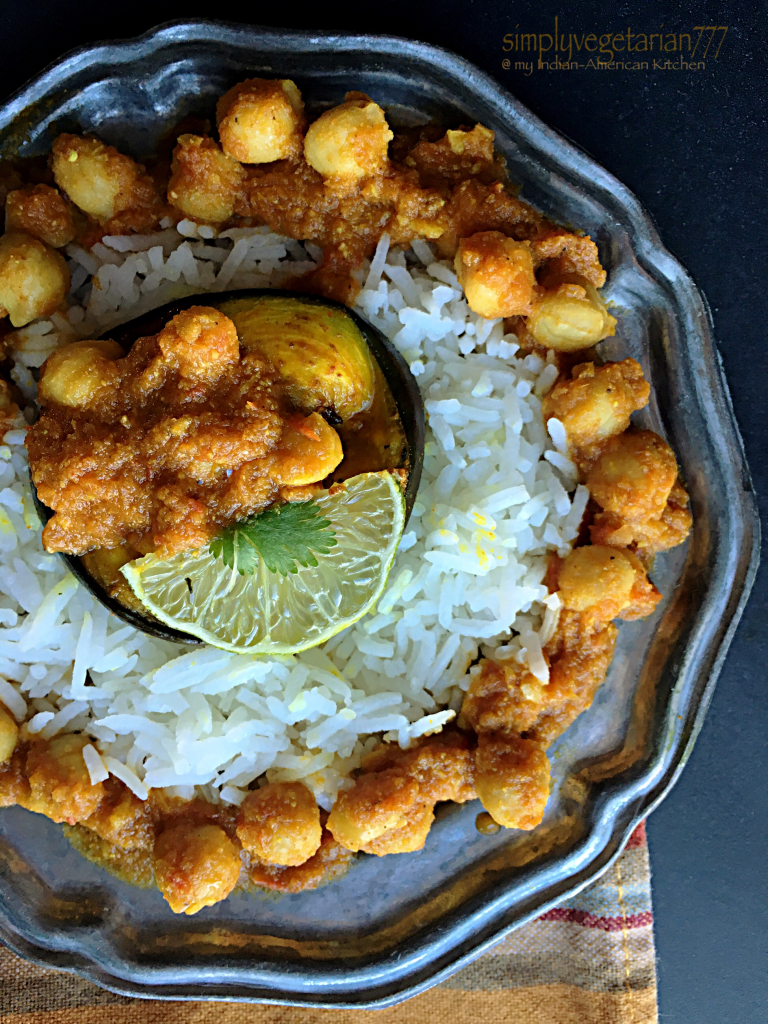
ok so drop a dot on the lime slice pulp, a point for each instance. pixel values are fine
(266, 613)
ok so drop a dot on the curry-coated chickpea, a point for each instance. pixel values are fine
(34, 279)
(42, 212)
(280, 824)
(633, 477)
(496, 273)
(201, 343)
(512, 779)
(195, 866)
(205, 182)
(570, 317)
(378, 803)
(99, 179)
(349, 142)
(261, 120)
(75, 374)
(598, 579)
(59, 782)
(597, 402)
(9, 734)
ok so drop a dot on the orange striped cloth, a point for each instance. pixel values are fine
(589, 961)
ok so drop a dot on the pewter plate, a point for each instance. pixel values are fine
(397, 925)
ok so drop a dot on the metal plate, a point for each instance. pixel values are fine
(396, 925)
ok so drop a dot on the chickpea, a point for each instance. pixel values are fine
(280, 824)
(603, 583)
(309, 450)
(195, 866)
(75, 374)
(34, 279)
(597, 402)
(599, 580)
(349, 142)
(634, 476)
(201, 343)
(122, 818)
(98, 179)
(512, 779)
(60, 786)
(409, 837)
(649, 535)
(9, 735)
(204, 181)
(40, 211)
(571, 316)
(377, 804)
(261, 121)
(496, 273)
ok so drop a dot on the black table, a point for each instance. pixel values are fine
(692, 142)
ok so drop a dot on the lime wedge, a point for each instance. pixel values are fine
(266, 613)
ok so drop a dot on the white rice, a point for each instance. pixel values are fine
(497, 494)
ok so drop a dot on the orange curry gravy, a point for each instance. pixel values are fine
(158, 449)
(440, 187)
(154, 455)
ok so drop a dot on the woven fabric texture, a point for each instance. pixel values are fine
(589, 961)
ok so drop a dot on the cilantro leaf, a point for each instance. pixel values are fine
(281, 536)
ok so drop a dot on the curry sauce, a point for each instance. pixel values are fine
(223, 413)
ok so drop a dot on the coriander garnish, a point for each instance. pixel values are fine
(280, 536)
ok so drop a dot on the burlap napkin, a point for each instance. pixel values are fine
(589, 961)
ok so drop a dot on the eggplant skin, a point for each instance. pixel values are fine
(318, 351)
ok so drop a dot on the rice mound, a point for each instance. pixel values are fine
(497, 494)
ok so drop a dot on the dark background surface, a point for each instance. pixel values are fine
(693, 145)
